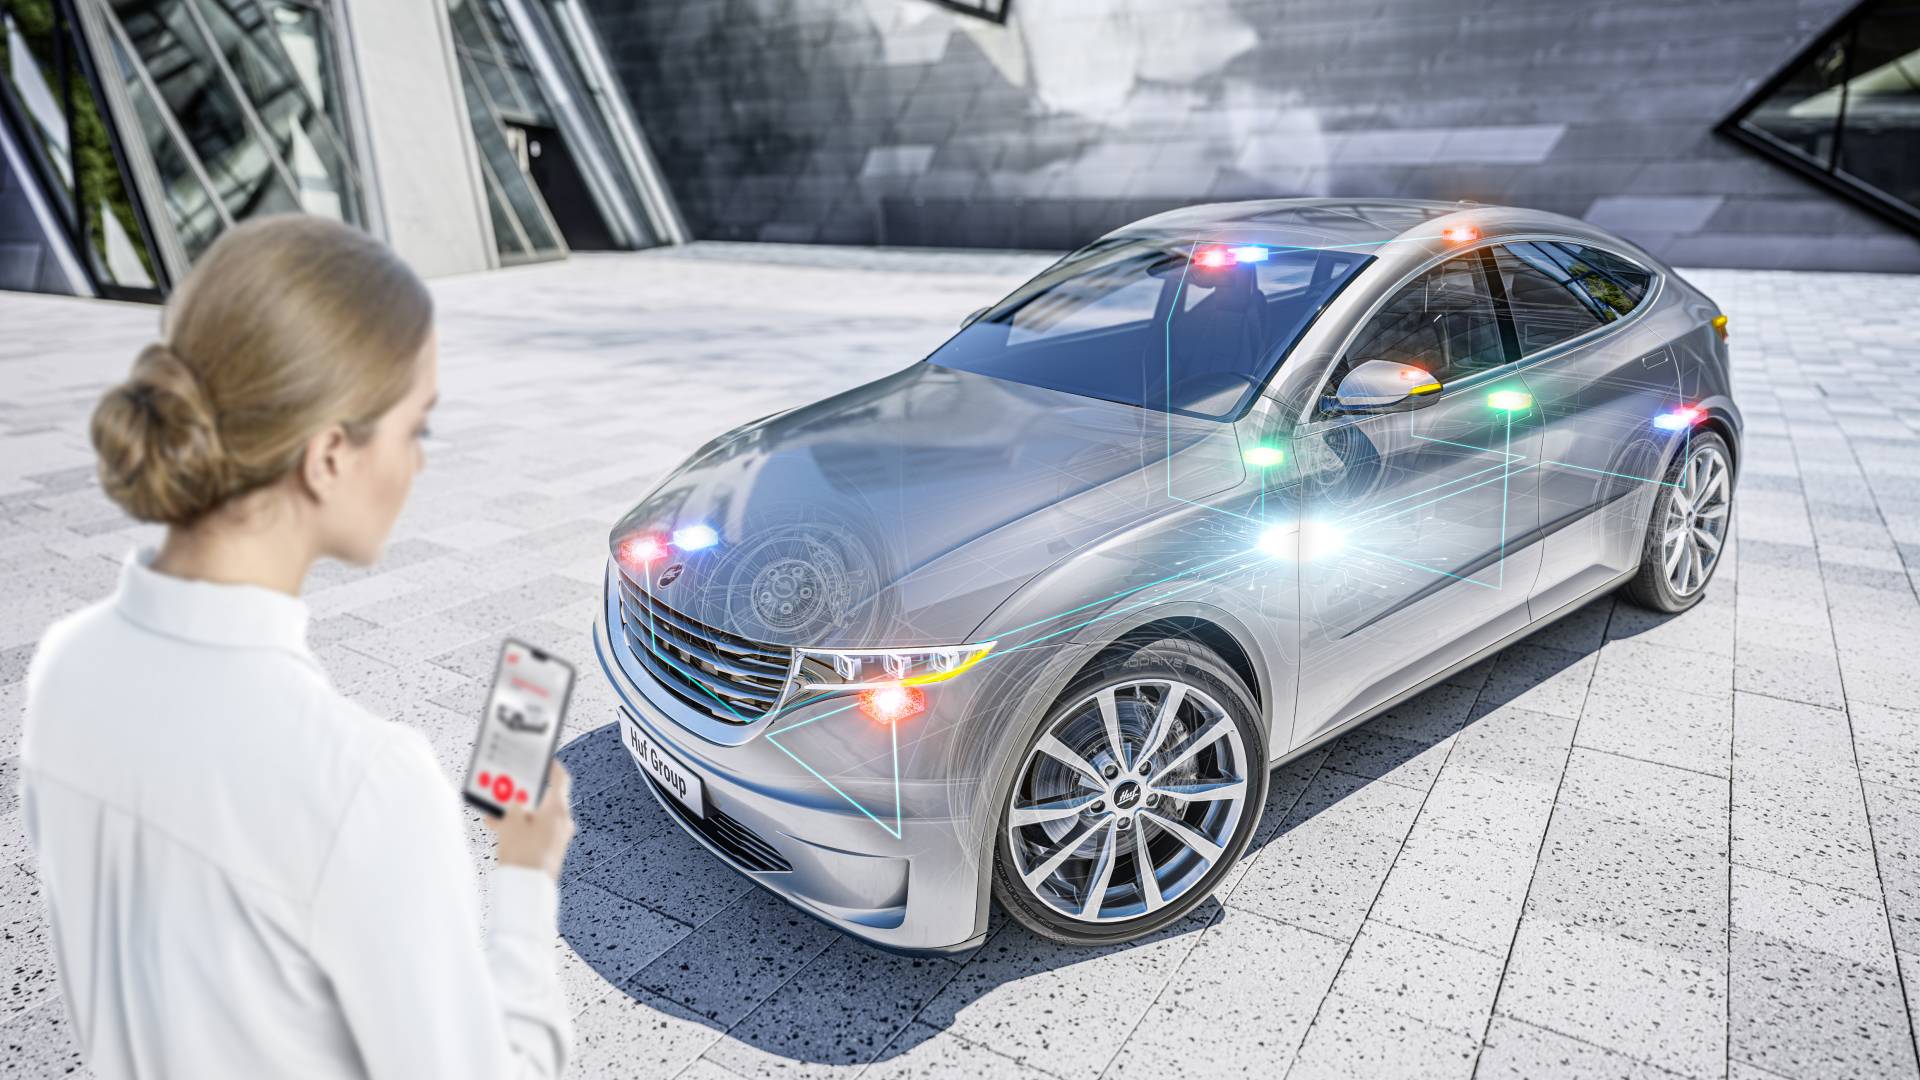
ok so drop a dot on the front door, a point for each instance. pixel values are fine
(1415, 540)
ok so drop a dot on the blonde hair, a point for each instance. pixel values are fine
(287, 324)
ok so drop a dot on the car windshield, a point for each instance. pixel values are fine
(1193, 327)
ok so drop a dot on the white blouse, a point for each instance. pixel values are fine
(251, 876)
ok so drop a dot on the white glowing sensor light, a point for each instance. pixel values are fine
(868, 669)
(1310, 540)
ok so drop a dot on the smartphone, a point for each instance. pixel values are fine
(520, 729)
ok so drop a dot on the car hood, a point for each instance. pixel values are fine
(902, 512)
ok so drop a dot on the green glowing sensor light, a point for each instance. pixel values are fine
(1261, 457)
(1509, 400)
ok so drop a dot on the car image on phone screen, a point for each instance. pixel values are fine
(519, 730)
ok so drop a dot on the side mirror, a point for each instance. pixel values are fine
(968, 321)
(1377, 386)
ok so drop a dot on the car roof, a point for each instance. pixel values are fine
(1359, 224)
(1305, 222)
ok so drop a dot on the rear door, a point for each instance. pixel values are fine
(1600, 382)
(1412, 548)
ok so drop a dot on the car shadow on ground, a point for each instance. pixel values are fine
(662, 921)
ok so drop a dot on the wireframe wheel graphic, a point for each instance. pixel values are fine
(1133, 799)
(1688, 528)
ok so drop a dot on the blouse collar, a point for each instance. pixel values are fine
(231, 616)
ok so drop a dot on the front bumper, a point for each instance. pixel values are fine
(879, 831)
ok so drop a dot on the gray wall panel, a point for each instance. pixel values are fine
(896, 121)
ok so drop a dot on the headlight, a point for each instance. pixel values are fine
(832, 670)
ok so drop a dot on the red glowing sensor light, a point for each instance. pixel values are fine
(892, 704)
(1213, 258)
(1684, 417)
(642, 549)
(1459, 234)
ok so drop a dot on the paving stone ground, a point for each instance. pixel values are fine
(1631, 846)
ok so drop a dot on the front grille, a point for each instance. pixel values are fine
(735, 841)
(722, 675)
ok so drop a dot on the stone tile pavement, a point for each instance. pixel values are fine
(1628, 847)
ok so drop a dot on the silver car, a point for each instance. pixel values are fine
(1033, 618)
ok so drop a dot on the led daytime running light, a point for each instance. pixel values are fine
(870, 669)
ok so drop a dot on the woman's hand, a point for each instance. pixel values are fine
(538, 838)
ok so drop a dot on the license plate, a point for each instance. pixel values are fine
(678, 780)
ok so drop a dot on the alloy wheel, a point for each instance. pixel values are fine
(1128, 800)
(1697, 517)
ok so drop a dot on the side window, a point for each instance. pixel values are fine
(1616, 285)
(1443, 321)
(1548, 307)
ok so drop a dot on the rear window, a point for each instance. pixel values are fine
(1156, 322)
(1613, 285)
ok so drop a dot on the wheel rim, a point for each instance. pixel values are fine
(1130, 798)
(1697, 517)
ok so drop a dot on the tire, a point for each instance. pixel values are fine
(1695, 502)
(1190, 844)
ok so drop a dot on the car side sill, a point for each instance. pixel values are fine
(1449, 672)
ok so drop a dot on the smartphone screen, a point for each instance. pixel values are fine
(519, 730)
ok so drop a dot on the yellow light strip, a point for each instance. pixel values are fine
(943, 676)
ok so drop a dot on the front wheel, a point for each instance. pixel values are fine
(1688, 528)
(1134, 798)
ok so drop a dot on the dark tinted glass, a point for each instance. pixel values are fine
(1880, 129)
(1799, 116)
(1443, 322)
(1137, 320)
(1849, 110)
(67, 136)
(1548, 307)
(1616, 285)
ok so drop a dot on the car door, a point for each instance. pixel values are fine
(1600, 381)
(1412, 548)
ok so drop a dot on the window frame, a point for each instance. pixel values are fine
(1733, 126)
(1313, 420)
(1592, 305)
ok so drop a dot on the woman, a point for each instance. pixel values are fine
(249, 875)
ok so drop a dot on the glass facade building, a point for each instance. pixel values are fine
(47, 98)
(504, 106)
(149, 127)
(480, 133)
(548, 123)
(1846, 111)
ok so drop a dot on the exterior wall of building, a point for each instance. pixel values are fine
(417, 149)
(899, 122)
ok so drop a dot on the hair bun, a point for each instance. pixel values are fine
(159, 444)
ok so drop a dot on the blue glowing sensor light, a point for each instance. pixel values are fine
(1250, 253)
(695, 537)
